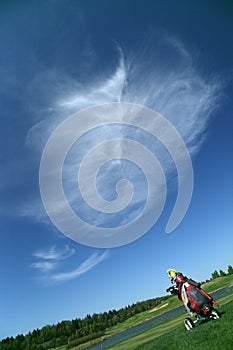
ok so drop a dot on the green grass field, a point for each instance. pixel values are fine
(218, 283)
(213, 335)
(173, 325)
(172, 335)
(170, 303)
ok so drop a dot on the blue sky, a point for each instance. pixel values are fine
(58, 57)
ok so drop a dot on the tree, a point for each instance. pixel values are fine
(222, 273)
(215, 274)
(230, 270)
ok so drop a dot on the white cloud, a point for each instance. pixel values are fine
(167, 82)
(54, 254)
(110, 89)
(44, 266)
(50, 259)
(175, 89)
(84, 267)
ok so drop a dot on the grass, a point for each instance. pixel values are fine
(134, 342)
(172, 334)
(159, 330)
(212, 335)
(168, 304)
(218, 283)
(172, 303)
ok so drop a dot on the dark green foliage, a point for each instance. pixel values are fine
(222, 273)
(77, 331)
(215, 274)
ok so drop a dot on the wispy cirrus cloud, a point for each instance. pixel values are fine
(84, 267)
(48, 259)
(44, 266)
(165, 80)
(54, 254)
(51, 259)
(108, 89)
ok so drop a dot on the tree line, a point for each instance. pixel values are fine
(221, 273)
(78, 331)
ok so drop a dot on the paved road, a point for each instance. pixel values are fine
(151, 323)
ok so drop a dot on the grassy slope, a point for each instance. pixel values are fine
(212, 335)
(143, 316)
(172, 334)
(218, 283)
(173, 302)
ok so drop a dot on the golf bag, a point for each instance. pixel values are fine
(195, 300)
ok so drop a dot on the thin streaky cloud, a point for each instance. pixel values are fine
(108, 90)
(54, 254)
(84, 267)
(175, 89)
(44, 266)
(72, 98)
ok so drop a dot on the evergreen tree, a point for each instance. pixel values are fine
(215, 274)
(230, 270)
(222, 273)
